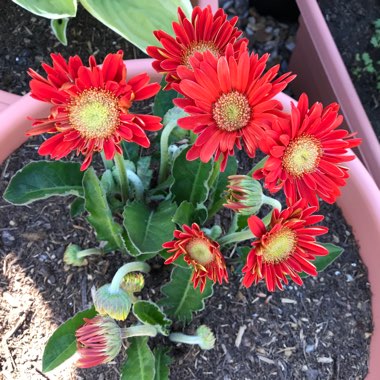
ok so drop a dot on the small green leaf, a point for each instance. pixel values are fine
(136, 20)
(148, 229)
(42, 179)
(190, 180)
(100, 215)
(181, 299)
(77, 207)
(163, 101)
(62, 344)
(140, 362)
(322, 262)
(59, 27)
(149, 313)
(50, 9)
(184, 214)
(163, 361)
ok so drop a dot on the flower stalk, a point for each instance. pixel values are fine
(124, 188)
(204, 338)
(139, 330)
(164, 145)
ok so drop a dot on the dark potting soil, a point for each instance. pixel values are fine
(351, 24)
(318, 331)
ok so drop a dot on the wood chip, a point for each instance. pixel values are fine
(324, 360)
(288, 300)
(239, 335)
(266, 360)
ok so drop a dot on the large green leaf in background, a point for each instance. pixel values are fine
(148, 229)
(140, 362)
(135, 20)
(42, 179)
(62, 344)
(181, 299)
(100, 215)
(53, 9)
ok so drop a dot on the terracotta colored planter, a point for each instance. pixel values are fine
(324, 77)
(360, 201)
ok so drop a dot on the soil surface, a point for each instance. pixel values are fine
(351, 24)
(318, 331)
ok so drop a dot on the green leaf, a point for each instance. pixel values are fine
(42, 179)
(190, 180)
(53, 9)
(140, 363)
(149, 313)
(148, 229)
(59, 27)
(100, 215)
(62, 344)
(136, 20)
(76, 207)
(163, 101)
(163, 361)
(220, 186)
(184, 214)
(322, 262)
(181, 299)
(144, 172)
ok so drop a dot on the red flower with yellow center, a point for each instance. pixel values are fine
(306, 152)
(90, 107)
(229, 100)
(200, 252)
(99, 341)
(204, 32)
(285, 248)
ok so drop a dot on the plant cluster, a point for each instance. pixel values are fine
(216, 98)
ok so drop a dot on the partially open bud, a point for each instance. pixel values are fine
(245, 195)
(116, 304)
(99, 341)
(74, 255)
(133, 282)
(204, 338)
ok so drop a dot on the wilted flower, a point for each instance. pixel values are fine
(99, 341)
(200, 252)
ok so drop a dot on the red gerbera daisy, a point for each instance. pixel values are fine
(306, 153)
(200, 252)
(90, 107)
(204, 32)
(229, 99)
(286, 248)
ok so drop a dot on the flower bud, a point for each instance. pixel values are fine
(116, 304)
(133, 282)
(70, 257)
(245, 195)
(98, 341)
(207, 337)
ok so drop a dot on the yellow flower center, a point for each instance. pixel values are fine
(302, 155)
(199, 250)
(279, 246)
(94, 113)
(232, 111)
(198, 47)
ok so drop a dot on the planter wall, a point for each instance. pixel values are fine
(323, 75)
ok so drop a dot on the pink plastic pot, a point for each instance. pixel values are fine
(360, 200)
(324, 77)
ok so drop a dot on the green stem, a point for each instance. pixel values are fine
(164, 144)
(136, 266)
(258, 166)
(139, 330)
(89, 252)
(236, 237)
(274, 203)
(215, 173)
(137, 184)
(107, 163)
(120, 164)
(183, 338)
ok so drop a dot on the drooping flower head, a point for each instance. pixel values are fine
(306, 154)
(200, 252)
(230, 101)
(245, 195)
(90, 107)
(99, 341)
(204, 31)
(285, 248)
